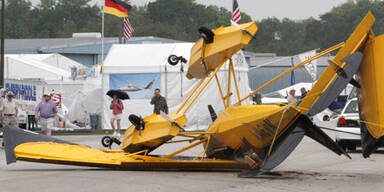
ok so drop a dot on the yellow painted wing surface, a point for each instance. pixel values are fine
(157, 131)
(371, 94)
(48, 152)
(248, 127)
(227, 41)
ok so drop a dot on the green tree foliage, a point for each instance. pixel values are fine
(180, 19)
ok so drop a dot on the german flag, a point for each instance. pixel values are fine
(117, 8)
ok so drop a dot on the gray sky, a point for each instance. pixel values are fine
(259, 9)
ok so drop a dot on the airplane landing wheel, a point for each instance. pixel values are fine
(106, 141)
(173, 60)
(206, 34)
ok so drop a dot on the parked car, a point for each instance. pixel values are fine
(348, 121)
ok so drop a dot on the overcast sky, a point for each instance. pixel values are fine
(259, 9)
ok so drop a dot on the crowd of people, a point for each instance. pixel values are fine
(46, 111)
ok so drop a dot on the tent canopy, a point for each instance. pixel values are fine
(39, 66)
(146, 58)
(22, 68)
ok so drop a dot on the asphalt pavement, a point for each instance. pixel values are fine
(311, 167)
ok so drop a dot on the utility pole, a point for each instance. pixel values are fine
(121, 30)
(2, 43)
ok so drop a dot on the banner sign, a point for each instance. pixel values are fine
(138, 86)
(25, 92)
(56, 98)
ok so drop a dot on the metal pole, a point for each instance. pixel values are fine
(102, 38)
(121, 30)
(2, 43)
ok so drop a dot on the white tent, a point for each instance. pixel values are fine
(135, 65)
(54, 73)
(18, 67)
(52, 59)
(61, 62)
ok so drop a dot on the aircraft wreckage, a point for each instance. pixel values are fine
(249, 138)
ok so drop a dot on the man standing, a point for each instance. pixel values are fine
(48, 110)
(159, 102)
(9, 111)
(303, 92)
(117, 111)
(3, 92)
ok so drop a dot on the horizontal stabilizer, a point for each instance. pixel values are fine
(14, 136)
(338, 84)
(314, 132)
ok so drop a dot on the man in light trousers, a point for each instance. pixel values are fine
(48, 111)
(9, 111)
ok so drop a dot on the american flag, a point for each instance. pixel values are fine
(128, 29)
(236, 15)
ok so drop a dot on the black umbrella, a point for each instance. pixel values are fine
(120, 94)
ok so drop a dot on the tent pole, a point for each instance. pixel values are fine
(2, 43)
(102, 37)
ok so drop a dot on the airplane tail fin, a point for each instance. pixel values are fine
(149, 84)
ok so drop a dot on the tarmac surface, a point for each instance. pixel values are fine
(311, 167)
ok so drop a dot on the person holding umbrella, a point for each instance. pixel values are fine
(117, 109)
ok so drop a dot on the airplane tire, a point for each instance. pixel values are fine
(106, 141)
(173, 60)
(206, 34)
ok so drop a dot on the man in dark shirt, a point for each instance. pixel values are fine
(303, 92)
(159, 102)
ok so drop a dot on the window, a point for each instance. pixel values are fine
(353, 107)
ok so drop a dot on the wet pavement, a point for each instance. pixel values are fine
(311, 167)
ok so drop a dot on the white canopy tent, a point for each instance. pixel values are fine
(26, 67)
(138, 64)
(52, 59)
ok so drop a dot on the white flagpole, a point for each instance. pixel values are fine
(102, 36)
(101, 68)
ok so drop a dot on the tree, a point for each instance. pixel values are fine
(18, 19)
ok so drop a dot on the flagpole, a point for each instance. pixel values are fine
(101, 68)
(102, 36)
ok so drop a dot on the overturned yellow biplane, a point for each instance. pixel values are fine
(242, 137)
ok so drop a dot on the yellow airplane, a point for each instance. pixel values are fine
(249, 138)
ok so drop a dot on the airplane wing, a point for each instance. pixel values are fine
(149, 84)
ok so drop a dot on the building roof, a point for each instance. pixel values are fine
(270, 60)
(41, 45)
